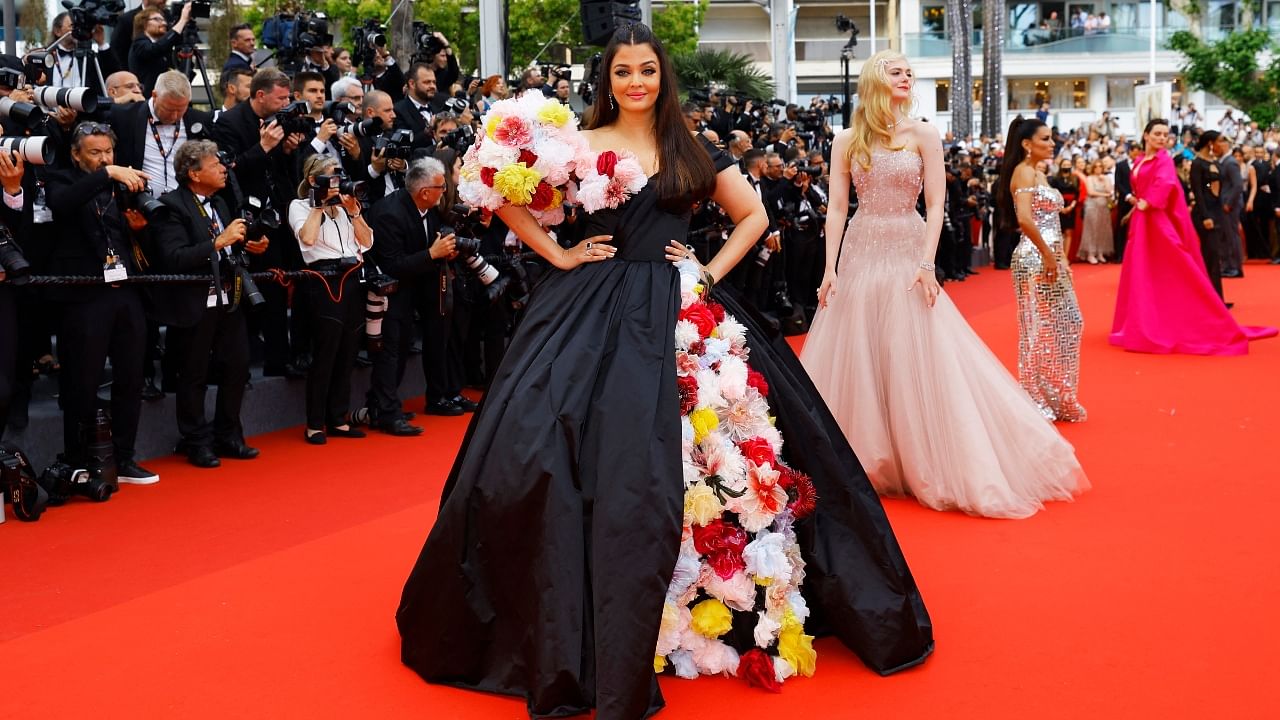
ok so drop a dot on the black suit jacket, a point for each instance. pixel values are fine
(129, 121)
(122, 37)
(148, 59)
(261, 174)
(401, 249)
(391, 82)
(234, 61)
(408, 117)
(87, 222)
(184, 245)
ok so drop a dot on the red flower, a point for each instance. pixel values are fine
(698, 348)
(758, 450)
(486, 175)
(700, 315)
(543, 195)
(756, 667)
(757, 381)
(527, 158)
(806, 497)
(606, 162)
(723, 544)
(688, 386)
(717, 311)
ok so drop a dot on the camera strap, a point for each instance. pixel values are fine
(164, 154)
(217, 295)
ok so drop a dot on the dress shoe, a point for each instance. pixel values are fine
(203, 457)
(235, 451)
(350, 432)
(1275, 261)
(467, 404)
(132, 473)
(1232, 274)
(443, 407)
(314, 437)
(399, 427)
(150, 392)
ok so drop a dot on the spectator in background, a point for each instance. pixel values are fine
(242, 43)
(152, 49)
(234, 85)
(1043, 113)
(122, 36)
(342, 59)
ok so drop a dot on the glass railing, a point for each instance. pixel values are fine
(1037, 40)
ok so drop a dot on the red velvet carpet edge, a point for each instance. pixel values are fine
(267, 589)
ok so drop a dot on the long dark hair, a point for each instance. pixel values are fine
(1019, 130)
(447, 156)
(685, 173)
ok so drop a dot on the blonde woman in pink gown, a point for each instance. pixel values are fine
(927, 407)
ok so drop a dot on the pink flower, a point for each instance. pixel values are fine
(615, 193)
(513, 132)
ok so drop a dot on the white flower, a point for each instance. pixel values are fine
(733, 331)
(687, 569)
(709, 388)
(799, 607)
(555, 160)
(688, 275)
(497, 156)
(669, 630)
(717, 350)
(738, 592)
(782, 669)
(550, 218)
(477, 194)
(724, 459)
(766, 557)
(766, 629)
(692, 473)
(591, 192)
(682, 662)
(716, 658)
(687, 298)
(733, 375)
(686, 334)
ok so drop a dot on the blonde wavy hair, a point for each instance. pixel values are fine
(874, 114)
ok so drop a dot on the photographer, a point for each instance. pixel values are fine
(333, 236)
(148, 134)
(318, 60)
(152, 50)
(804, 205)
(122, 36)
(199, 234)
(264, 169)
(123, 88)
(94, 236)
(411, 249)
(386, 175)
(11, 172)
(387, 75)
(414, 111)
(444, 63)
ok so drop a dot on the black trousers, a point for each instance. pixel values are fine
(8, 351)
(806, 259)
(963, 244)
(1002, 253)
(110, 325)
(441, 359)
(1210, 241)
(335, 336)
(220, 340)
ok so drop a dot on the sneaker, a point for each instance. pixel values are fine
(132, 473)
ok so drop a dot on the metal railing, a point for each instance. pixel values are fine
(1042, 41)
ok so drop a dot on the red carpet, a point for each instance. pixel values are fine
(267, 589)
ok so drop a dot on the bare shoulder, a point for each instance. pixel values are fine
(1024, 176)
(924, 135)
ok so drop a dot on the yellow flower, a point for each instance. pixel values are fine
(711, 618)
(554, 113)
(557, 198)
(516, 183)
(701, 504)
(491, 124)
(764, 581)
(659, 663)
(703, 420)
(795, 647)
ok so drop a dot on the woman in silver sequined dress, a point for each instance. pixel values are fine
(1049, 320)
(927, 407)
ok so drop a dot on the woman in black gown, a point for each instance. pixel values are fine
(545, 573)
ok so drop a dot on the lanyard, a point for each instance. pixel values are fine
(164, 154)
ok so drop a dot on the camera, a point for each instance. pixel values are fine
(25, 115)
(295, 117)
(258, 221)
(460, 139)
(395, 144)
(456, 105)
(91, 13)
(17, 270)
(35, 149)
(199, 9)
(144, 202)
(248, 288)
(312, 32)
(338, 112)
(340, 182)
(97, 479)
(292, 36)
(366, 39)
(426, 41)
(367, 127)
(80, 99)
(18, 481)
(378, 287)
(813, 171)
(465, 226)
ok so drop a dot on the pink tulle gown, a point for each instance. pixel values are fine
(927, 407)
(1165, 302)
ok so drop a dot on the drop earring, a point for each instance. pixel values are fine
(612, 105)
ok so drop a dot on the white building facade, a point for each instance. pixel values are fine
(1080, 73)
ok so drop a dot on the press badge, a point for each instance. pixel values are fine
(212, 301)
(113, 271)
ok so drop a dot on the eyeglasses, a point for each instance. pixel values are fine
(92, 128)
(434, 187)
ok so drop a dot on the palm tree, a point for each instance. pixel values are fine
(735, 72)
(993, 67)
(960, 12)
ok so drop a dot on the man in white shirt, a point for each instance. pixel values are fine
(149, 134)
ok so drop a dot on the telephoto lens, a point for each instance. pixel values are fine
(368, 127)
(80, 99)
(36, 150)
(17, 270)
(375, 308)
(25, 115)
(101, 458)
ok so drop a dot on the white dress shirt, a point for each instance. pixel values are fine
(156, 163)
(337, 238)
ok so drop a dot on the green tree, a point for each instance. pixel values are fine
(1230, 69)
(677, 24)
(734, 71)
(34, 23)
(532, 23)
(459, 21)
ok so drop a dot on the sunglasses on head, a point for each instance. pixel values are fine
(92, 128)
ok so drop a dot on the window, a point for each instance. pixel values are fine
(1273, 16)
(1024, 19)
(933, 21)
(1060, 93)
(943, 94)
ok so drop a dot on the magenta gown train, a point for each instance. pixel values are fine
(1165, 303)
(927, 407)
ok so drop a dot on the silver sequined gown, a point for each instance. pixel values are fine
(927, 407)
(1049, 320)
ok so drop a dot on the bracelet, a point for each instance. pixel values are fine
(708, 281)
(356, 216)
(927, 266)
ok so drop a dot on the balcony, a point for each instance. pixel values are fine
(1039, 41)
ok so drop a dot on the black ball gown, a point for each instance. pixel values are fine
(545, 573)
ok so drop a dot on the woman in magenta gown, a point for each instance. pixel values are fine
(1165, 303)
